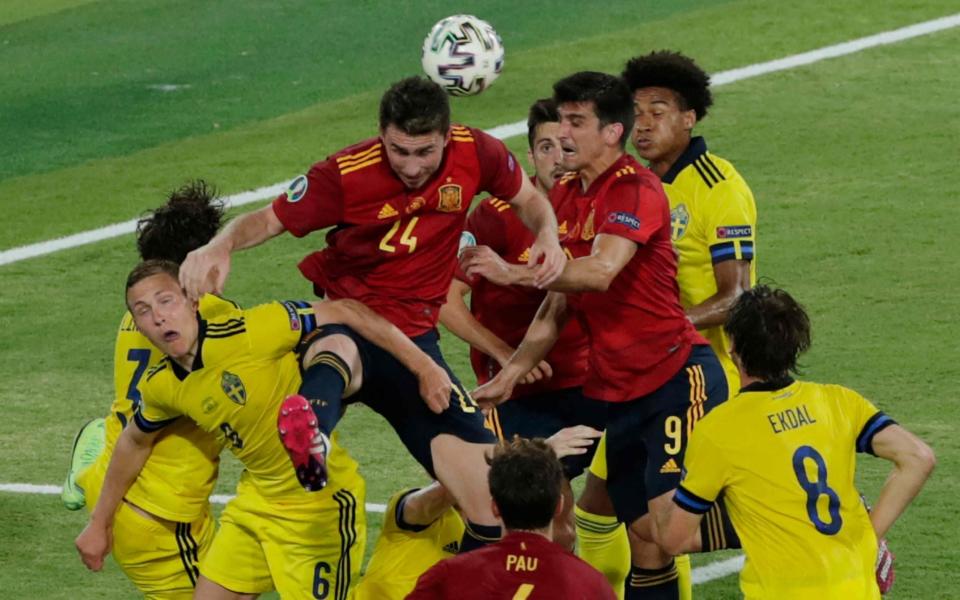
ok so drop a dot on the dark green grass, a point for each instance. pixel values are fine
(78, 83)
(851, 161)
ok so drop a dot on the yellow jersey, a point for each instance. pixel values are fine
(244, 368)
(713, 218)
(402, 555)
(177, 480)
(784, 459)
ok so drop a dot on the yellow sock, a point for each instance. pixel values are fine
(685, 572)
(602, 542)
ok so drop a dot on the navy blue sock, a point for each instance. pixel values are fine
(477, 536)
(324, 379)
(653, 584)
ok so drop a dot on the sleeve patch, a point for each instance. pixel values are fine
(297, 189)
(725, 232)
(624, 218)
(301, 316)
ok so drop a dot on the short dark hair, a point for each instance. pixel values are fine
(415, 106)
(525, 481)
(543, 110)
(674, 71)
(770, 330)
(149, 268)
(611, 99)
(191, 216)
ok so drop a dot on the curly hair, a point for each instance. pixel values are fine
(191, 216)
(674, 71)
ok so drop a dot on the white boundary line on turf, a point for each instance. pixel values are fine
(704, 574)
(510, 130)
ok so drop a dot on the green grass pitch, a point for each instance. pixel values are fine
(852, 161)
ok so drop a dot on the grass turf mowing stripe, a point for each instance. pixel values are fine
(510, 130)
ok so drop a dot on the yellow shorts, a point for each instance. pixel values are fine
(162, 558)
(598, 466)
(302, 550)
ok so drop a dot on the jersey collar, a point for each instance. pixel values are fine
(696, 148)
(179, 371)
(768, 386)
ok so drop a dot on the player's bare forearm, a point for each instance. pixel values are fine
(130, 455)
(541, 335)
(249, 230)
(913, 462)
(426, 505)
(733, 278)
(675, 528)
(595, 273)
(534, 210)
(456, 316)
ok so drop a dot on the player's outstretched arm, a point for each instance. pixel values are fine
(571, 441)
(913, 461)
(733, 278)
(537, 214)
(131, 453)
(205, 269)
(456, 316)
(539, 339)
(435, 383)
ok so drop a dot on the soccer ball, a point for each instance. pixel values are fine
(462, 54)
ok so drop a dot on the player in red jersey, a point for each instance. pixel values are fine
(498, 317)
(525, 480)
(646, 358)
(398, 204)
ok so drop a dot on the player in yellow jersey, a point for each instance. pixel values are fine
(784, 452)
(160, 537)
(230, 376)
(714, 220)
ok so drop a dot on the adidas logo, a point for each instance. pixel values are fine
(525, 257)
(562, 230)
(452, 548)
(670, 467)
(386, 212)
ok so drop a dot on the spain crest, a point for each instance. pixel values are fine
(232, 386)
(451, 198)
(679, 219)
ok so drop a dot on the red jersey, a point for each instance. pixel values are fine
(521, 565)
(508, 310)
(393, 248)
(639, 335)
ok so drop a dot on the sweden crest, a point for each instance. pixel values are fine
(232, 386)
(679, 219)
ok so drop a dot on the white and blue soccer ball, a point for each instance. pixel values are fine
(463, 54)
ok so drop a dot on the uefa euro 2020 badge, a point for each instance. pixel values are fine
(297, 189)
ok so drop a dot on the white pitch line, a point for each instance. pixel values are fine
(510, 130)
(708, 572)
(32, 488)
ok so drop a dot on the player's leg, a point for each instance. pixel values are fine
(674, 410)
(87, 447)
(316, 551)
(236, 563)
(461, 467)
(161, 558)
(601, 536)
(332, 370)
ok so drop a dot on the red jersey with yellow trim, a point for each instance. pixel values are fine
(394, 248)
(639, 334)
(508, 310)
(521, 565)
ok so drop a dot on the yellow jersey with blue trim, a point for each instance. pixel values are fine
(713, 218)
(245, 366)
(784, 456)
(177, 480)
